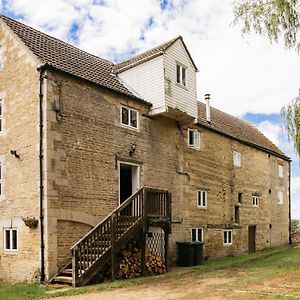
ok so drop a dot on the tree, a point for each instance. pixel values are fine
(291, 116)
(295, 225)
(274, 18)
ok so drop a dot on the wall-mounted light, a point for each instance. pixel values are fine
(132, 149)
(14, 153)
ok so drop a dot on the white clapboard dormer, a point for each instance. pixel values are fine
(166, 77)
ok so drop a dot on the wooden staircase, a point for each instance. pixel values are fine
(99, 247)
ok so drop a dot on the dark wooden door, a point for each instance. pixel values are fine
(251, 238)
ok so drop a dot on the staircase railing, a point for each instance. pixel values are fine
(104, 236)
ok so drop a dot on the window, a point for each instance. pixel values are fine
(202, 199)
(240, 198)
(10, 239)
(1, 111)
(280, 171)
(197, 234)
(129, 117)
(194, 139)
(237, 214)
(280, 197)
(227, 237)
(255, 201)
(236, 159)
(181, 74)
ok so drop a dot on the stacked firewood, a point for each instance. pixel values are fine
(130, 265)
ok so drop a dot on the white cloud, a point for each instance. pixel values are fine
(271, 130)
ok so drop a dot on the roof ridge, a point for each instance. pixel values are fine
(171, 41)
(54, 38)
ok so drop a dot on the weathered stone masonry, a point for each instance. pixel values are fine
(83, 145)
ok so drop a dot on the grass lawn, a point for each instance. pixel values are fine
(278, 267)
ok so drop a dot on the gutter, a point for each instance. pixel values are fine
(288, 159)
(41, 70)
(132, 97)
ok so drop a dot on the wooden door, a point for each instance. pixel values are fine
(251, 238)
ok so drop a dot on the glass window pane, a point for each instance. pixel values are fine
(133, 118)
(204, 198)
(7, 239)
(229, 237)
(183, 76)
(199, 198)
(193, 235)
(225, 237)
(191, 137)
(125, 116)
(178, 74)
(199, 235)
(14, 240)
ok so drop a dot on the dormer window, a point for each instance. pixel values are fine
(181, 74)
(129, 117)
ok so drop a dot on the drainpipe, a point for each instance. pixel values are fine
(290, 220)
(41, 70)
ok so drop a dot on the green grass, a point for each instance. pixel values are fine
(253, 267)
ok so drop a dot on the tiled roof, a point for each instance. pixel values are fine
(74, 61)
(145, 56)
(67, 58)
(236, 128)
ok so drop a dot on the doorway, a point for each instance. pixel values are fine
(251, 238)
(129, 180)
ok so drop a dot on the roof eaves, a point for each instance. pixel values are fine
(133, 97)
(245, 142)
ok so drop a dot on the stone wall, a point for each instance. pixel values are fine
(86, 142)
(19, 87)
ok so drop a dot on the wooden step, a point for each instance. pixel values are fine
(67, 272)
(63, 279)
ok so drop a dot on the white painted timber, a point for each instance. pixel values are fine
(147, 81)
(177, 96)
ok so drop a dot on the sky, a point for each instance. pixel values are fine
(247, 76)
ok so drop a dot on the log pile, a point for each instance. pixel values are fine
(130, 265)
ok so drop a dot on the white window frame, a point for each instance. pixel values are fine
(237, 159)
(181, 82)
(280, 197)
(255, 201)
(200, 200)
(11, 239)
(227, 233)
(196, 137)
(129, 117)
(280, 171)
(197, 230)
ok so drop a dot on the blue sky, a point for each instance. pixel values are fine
(246, 76)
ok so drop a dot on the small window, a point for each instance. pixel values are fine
(197, 234)
(240, 198)
(194, 139)
(1, 111)
(227, 237)
(129, 117)
(202, 199)
(280, 171)
(10, 239)
(255, 201)
(236, 159)
(280, 197)
(181, 74)
(237, 214)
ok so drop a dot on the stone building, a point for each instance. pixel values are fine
(79, 135)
